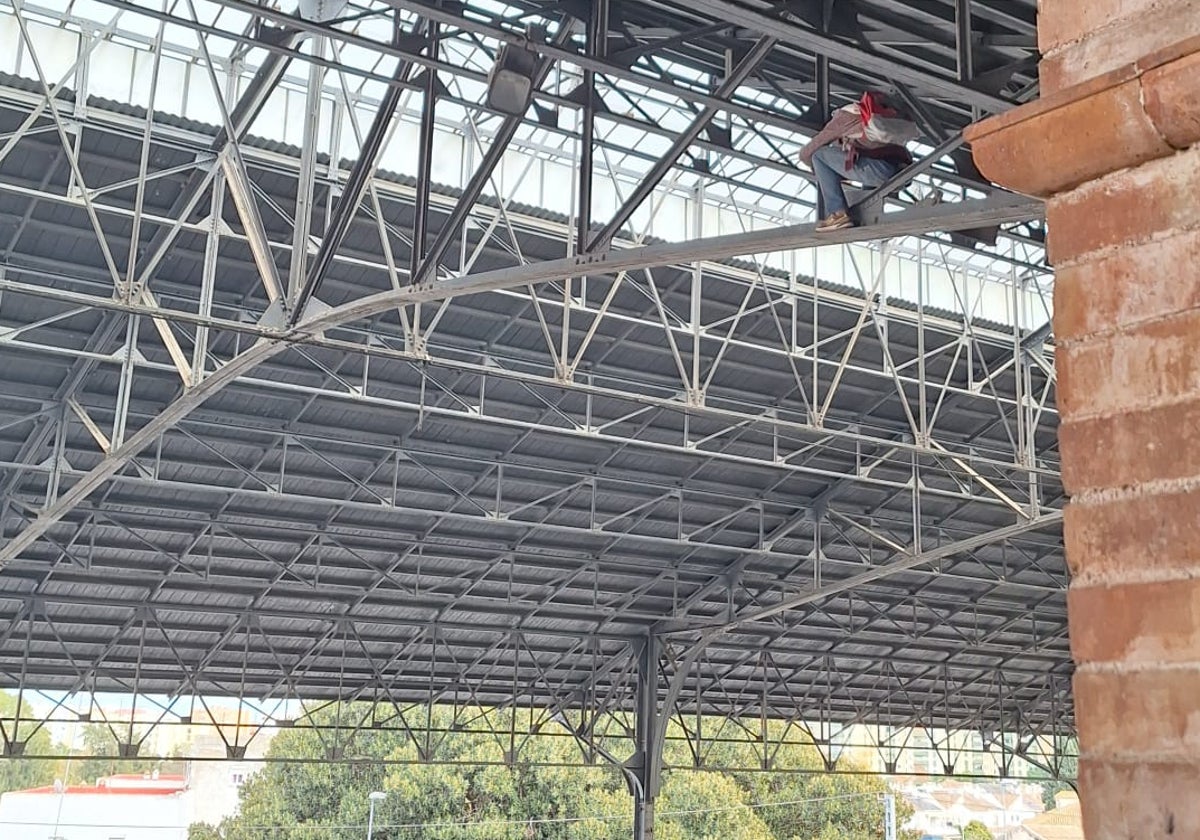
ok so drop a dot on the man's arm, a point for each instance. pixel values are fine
(845, 123)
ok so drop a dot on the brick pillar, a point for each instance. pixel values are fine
(1112, 146)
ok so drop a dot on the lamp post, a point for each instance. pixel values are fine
(374, 796)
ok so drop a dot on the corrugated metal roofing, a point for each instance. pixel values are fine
(295, 519)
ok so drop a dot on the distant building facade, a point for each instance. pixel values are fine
(126, 806)
(1063, 822)
(924, 752)
(942, 810)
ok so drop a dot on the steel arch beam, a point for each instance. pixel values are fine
(241, 116)
(748, 64)
(996, 210)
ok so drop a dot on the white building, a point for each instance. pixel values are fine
(125, 806)
(1063, 822)
(116, 808)
(941, 810)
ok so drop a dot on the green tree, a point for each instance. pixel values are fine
(975, 830)
(703, 805)
(795, 797)
(457, 792)
(458, 783)
(203, 831)
(1068, 768)
(98, 746)
(94, 741)
(19, 773)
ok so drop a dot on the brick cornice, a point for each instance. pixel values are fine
(1144, 110)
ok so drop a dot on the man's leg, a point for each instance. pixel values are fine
(829, 165)
(872, 172)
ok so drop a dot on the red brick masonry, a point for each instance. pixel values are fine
(1135, 113)
(1112, 146)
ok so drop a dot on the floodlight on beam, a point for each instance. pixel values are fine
(510, 84)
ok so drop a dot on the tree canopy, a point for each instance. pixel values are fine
(449, 780)
(448, 787)
(1068, 769)
(92, 756)
(98, 741)
(18, 773)
(975, 830)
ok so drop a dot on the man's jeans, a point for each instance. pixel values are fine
(829, 165)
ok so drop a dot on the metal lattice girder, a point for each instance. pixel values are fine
(515, 485)
(762, 18)
(988, 212)
(348, 202)
(240, 118)
(603, 726)
(748, 63)
(662, 81)
(749, 133)
(752, 17)
(226, 654)
(427, 271)
(646, 257)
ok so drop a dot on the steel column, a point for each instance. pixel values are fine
(306, 178)
(425, 154)
(356, 185)
(824, 100)
(208, 278)
(648, 741)
(963, 34)
(597, 48)
(483, 174)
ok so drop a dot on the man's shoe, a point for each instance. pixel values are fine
(836, 221)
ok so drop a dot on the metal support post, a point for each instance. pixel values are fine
(823, 96)
(823, 108)
(648, 759)
(963, 35)
(425, 154)
(125, 383)
(208, 277)
(597, 37)
(889, 817)
(306, 180)
(697, 295)
(645, 188)
(54, 479)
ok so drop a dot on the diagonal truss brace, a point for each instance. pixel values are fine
(645, 188)
(909, 560)
(997, 209)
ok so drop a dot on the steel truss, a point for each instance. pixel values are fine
(728, 731)
(255, 443)
(738, 732)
